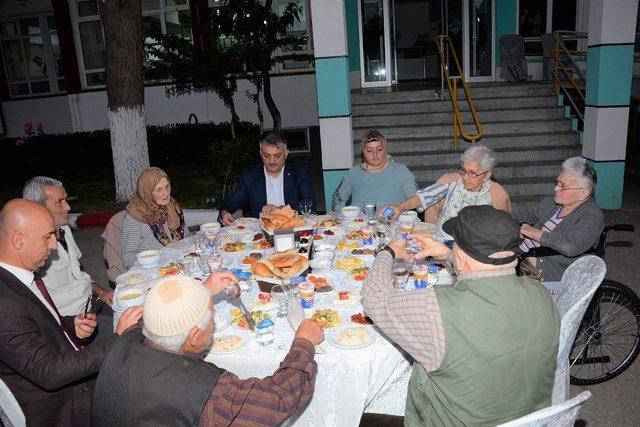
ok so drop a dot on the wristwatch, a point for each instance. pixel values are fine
(388, 249)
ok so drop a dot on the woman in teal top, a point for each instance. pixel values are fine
(378, 178)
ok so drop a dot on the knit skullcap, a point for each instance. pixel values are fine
(175, 305)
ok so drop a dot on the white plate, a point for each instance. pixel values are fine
(245, 342)
(364, 256)
(358, 324)
(144, 277)
(233, 229)
(255, 305)
(247, 222)
(221, 323)
(333, 338)
(334, 301)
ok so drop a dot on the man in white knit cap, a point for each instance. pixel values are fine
(157, 376)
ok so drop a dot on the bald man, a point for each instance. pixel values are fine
(43, 359)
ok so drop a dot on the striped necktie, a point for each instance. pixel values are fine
(45, 293)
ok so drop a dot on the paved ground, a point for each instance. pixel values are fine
(612, 404)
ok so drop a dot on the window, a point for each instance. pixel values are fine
(299, 28)
(297, 139)
(537, 17)
(165, 16)
(31, 56)
(91, 44)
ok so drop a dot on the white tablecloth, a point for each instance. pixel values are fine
(349, 382)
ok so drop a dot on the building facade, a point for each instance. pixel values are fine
(53, 73)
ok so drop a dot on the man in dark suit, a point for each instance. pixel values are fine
(43, 357)
(272, 184)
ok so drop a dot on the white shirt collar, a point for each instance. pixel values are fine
(24, 275)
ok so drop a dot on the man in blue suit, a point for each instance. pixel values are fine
(270, 185)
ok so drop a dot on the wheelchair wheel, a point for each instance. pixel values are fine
(608, 340)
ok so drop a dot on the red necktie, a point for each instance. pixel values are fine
(45, 293)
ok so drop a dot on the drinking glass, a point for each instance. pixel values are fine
(369, 209)
(281, 294)
(305, 207)
(400, 274)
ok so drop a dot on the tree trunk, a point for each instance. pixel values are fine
(268, 99)
(122, 24)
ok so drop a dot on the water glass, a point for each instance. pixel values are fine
(281, 294)
(400, 274)
(369, 209)
(305, 207)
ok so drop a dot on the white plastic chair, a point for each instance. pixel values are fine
(561, 415)
(10, 412)
(579, 283)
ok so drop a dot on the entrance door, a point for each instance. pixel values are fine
(375, 43)
(416, 23)
(479, 40)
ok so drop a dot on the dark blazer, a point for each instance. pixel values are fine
(52, 381)
(252, 189)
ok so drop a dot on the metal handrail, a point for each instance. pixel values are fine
(452, 85)
(560, 36)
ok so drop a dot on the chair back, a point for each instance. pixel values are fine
(579, 283)
(11, 414)
(514, 63)
(561, 415)
(112, 248)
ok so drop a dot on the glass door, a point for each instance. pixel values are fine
(375, 43)
(479, 40)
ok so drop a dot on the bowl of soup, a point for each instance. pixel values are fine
(130, 298)
(350, 212)
(148, 258)
(211, 227)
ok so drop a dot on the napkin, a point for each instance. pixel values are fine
(295, 316)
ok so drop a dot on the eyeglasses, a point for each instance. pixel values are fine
(561, 187)
(462, 171)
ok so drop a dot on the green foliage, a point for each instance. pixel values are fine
(230, 157)
(242, 36)
(201, 160)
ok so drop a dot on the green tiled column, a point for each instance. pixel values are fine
(332, 85)
(608, 193)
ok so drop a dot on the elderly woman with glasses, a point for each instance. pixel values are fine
(570, 222)
(377, 179)
(470, 186)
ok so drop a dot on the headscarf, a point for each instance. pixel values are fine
(144, 209)
(373, 135)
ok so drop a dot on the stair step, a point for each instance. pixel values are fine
(427, 174)
(445, 105)
(531, 140)
(549, 153)
(447, 117)
(502, 127)
(477, 92)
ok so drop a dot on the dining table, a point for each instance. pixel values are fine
(351, 380)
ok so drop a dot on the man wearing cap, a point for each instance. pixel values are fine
(485, 347)
(157, 376)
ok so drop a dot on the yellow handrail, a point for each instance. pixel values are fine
(452, 84)
(559, 66)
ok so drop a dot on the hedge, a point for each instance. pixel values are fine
(64, 155)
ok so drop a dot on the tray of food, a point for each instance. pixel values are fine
(283, 218)
(271, 269)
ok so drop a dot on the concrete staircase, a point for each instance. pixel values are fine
(520, 122)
